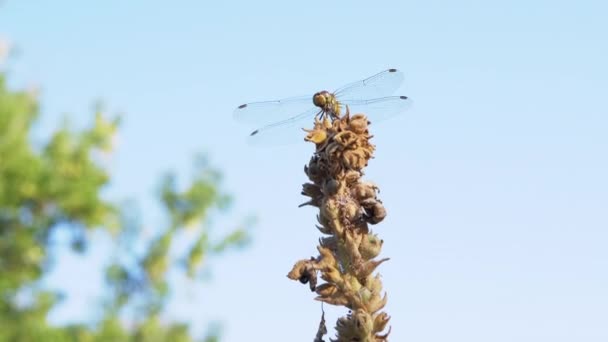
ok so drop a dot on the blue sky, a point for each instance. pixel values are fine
(495, 181)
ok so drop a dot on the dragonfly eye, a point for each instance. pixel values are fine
(320, 99)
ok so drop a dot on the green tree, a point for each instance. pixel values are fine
(57, 185)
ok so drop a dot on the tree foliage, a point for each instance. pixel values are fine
(58, 184)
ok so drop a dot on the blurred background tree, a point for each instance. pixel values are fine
(58, 185)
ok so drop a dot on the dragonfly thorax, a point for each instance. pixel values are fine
(327, 102)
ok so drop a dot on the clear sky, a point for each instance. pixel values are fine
(495, 181)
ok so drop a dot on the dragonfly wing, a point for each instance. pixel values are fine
(266, 112)
(378, 109)
(284, 132)
(379, 85)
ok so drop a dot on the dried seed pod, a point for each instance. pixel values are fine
(357, 326)
(351, 176)
(323, 221)
(354, 159)
(327, 124)
(334, 300)
(311, 190)
(345, 138)
(326, 290)
(331, 187)
(364, 294)
(323, 229)
(383, 338)
(380, 322)
(332, 275)
(316, 135)
(309, 202)
(314, 170)
(368, 267)
(347, 329)
(343, 123)
(376, 303)
(363, 191)
(314, 192)
(305, 271)
(333, 151)
(351, 211)
(364, 322)
(351, 283)
(374, 210)
(326, 258)
(352, 242)
(358, 124)
(328, 242)
(330, 210)
(374, 284)
(335, 169)
(370, 246)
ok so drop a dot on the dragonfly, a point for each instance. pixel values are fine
(281, 121)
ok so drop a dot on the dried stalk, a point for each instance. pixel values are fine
(347, 252)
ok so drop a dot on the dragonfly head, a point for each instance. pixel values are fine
(328, 103)
(323, 99)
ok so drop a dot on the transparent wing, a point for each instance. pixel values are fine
(378, 109)
(381, 84)
(284, 132)
(266, 112)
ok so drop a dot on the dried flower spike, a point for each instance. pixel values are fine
(347, 205)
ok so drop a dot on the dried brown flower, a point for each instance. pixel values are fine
(347, 205)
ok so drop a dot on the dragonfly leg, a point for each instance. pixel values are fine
(320, 115)
(336, 115)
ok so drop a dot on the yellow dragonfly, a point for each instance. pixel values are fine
(282, 120)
